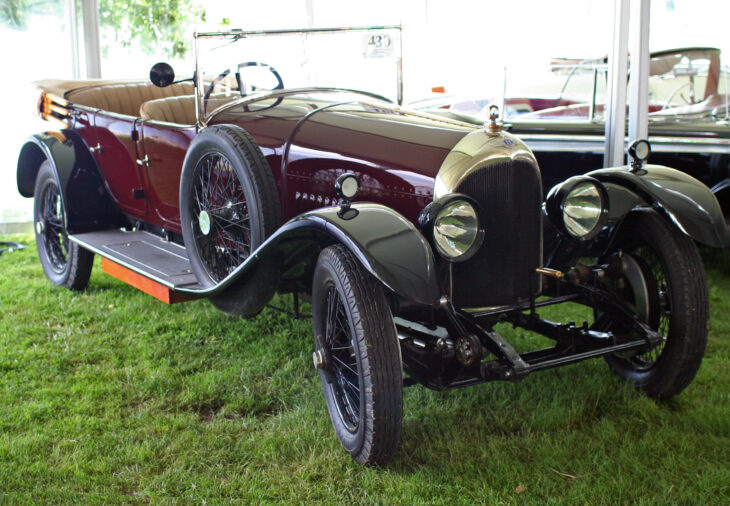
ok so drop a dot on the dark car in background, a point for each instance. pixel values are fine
(414, 235)
(689, 116)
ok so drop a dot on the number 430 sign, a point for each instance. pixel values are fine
(378, 46)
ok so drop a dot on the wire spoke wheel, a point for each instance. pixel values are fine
(343, 366)
(358, 356)
(660, 312)
(223, 230)
(229, 206)
(51, 228)
(65, 263)
(667, 289)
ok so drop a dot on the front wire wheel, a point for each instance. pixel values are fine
(358, 355)
(673, 300)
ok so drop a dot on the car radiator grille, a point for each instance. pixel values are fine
(510, 197)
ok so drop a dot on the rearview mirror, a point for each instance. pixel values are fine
(162, 74)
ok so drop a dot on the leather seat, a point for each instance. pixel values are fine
(179, 110)
(126, 98)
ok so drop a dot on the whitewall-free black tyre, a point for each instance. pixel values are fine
(357, 352)
(65, 263)
(677, 305)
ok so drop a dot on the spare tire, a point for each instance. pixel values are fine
(229, 206)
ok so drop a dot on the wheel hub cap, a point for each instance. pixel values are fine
(204, 222)
(319, 358)
(39, 227)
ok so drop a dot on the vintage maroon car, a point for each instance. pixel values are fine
(414, 235)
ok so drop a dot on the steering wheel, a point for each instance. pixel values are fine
(242, 85)
(242, 88)
(679, 88)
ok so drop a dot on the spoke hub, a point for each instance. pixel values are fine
(319, 358)
(204, 222)
(40, 227)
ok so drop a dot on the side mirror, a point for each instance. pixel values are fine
(162, 74)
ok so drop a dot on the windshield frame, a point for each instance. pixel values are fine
(237, 34)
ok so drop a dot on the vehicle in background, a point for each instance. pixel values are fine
(689, 119)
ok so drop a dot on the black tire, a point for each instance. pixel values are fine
(678, 305)
(227, 181)
(354, 327)
(65, 263)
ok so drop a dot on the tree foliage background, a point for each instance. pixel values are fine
(15, 13)
(152, 25)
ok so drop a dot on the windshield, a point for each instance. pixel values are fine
(684, 85)
(237, 64)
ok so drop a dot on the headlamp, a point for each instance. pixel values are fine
(452, 223)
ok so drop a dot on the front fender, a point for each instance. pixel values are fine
(85, 198)
(685, 200)
(722, 191)
(386, 244)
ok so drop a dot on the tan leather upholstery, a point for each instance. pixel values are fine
(125, 98)
(180, 109)
(172, 110)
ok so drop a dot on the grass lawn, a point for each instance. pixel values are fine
(111, 396)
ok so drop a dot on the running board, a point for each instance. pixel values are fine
(143, 260)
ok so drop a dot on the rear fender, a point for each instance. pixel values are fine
(681, 198)
(384, 242)
(85, 198)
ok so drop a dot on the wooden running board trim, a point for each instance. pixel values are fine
(142, 283)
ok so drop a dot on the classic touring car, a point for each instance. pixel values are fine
(414, 235)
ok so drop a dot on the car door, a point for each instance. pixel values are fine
(162, 149)
(116, 154)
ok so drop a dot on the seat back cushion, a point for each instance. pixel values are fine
(125, 98)
(171, 110)
(181, 109)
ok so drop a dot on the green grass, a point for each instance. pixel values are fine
(112, 396)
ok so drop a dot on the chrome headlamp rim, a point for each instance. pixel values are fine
(432, 212)
(555, 202)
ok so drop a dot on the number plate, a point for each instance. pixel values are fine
(380, 45)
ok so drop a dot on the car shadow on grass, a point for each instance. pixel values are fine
(469, 424)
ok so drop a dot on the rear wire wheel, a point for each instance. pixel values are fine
(674, 302)
(358, 355)
(64, 262)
